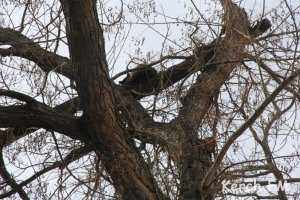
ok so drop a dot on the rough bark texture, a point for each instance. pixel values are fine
(196, 161)
(132, 179)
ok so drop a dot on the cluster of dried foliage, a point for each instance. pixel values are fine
(211, 96)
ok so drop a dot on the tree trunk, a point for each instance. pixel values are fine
(131, 178)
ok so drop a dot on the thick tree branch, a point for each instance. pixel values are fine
(38, 115)
(13, 134)
(19, 96)
(22, 46)
(199, 98)
(41, 117)
(10, 135)
(143, 126)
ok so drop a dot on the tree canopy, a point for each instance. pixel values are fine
(149, 99)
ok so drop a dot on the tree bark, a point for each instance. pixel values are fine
(131, 177)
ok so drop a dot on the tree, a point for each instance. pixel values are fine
(74, 132)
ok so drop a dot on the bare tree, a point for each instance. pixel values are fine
(212, 111)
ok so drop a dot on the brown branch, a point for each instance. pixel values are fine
(144, 127)
(18, 96)
(38, 115)
(22, 46)
(72, 156)
(207, 181)
(7, 177)
(276, 77)
(13, 134)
